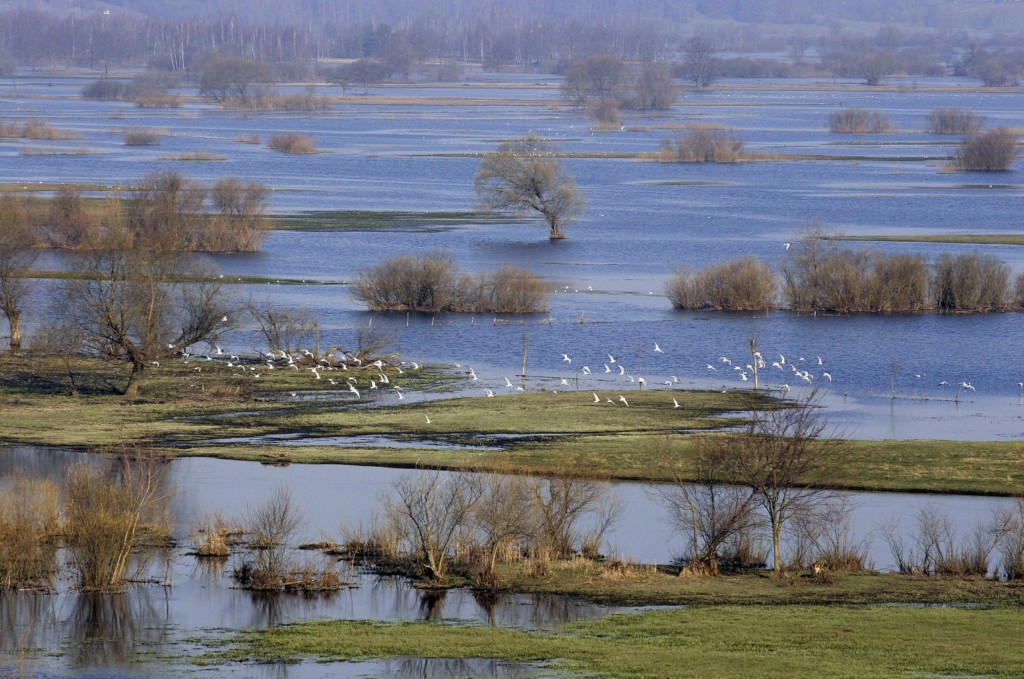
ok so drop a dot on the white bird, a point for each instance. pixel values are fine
(415, 365)
(675, 403)
(819, 361)
(331, 381)
(743, 376)
(224, 319)
(611, 359)
(488, 392)
(674, 379)
(641, 381)
(723, 359)
(373, 385)
(472, 375)
(943, 383)
(785, 388)
(400, 396)
(427, 417)
(609, 400)
(711, 367)
(384, 379)
(630, 378)
(967, 385)
(785, 245)
(782, 359)
(586, 370)
(508, 384)
(597, 399)
(314, 371)
(622, 370)
(776, 364)
(352, 388)
(565, 357)
(379, 364)
(565, 382)
(623, 399)
(827, 376)
(606, 368)
(157, 363)
(657, 349)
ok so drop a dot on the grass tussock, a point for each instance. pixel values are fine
(702, 144)
(950, 120)
(291, 142)
(858, 121)
(194, 156)
(54, 151)
(157, 100)
(432, 282)
(992, 151)
(247, 138)
(302, 102)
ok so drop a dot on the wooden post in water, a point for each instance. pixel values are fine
(523, 375)
(753, 359)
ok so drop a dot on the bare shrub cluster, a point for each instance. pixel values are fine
(970, 282)
(950, 120)
(291, 142)
(858, 121)
(140, 137)
(745, 284)
(990, 151)
(229, 216)
(29, 532)
(107, 518)
(703, 144)
(433, 282)
(935, 547)
(439, 522)
(306, 101)
(271, 527)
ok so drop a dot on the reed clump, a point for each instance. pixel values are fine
(36, 129)
(141, 137)
(702, 144)
(291, 142)
(858, 121)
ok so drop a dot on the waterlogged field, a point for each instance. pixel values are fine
(394, 173)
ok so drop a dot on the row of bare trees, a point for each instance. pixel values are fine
(822, 276)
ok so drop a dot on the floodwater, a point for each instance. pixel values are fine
(68, 632)
(644, 220)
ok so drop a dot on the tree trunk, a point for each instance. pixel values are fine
(15, 321)
(134, 380)
(776, 556)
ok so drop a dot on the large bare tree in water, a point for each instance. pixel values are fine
(523, 176)
(16, 257)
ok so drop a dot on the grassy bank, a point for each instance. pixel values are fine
(374, 220)
(722, 641)
(190, 408)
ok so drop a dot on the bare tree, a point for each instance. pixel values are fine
(227, 79)
(523, 176)
(563, 504)
(785, 457)
(707, 505)
(431, 508)
(16, 258)
(284, 328)
(504, 514)
(699, 61)
(595, 78)
(140, 305)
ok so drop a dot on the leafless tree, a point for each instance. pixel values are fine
(523, 176)
(504, 514)
(785, 456)
(596, 78)
(431, 508)
(705, 503)
(699, 61)
(16, 259)
(140, 305)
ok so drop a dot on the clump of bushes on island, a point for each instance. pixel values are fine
(291, 142)
(821, 276)
(950, 120)
(858, 121)
(432, 282)
(702, 144)
(229, 216)
(990, 151)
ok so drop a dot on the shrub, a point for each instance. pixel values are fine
(154, 99)
(606, 114)
(970, 282)
(36, 129)
(898, 283)
(511, 290)
(427, 282)
(291, 142)
(991, 151)
(103, 89)
(140, 137)
(954, 121)
(744, 284)
(703, 144)
(858, 121)
(247, 138)
(29, 524)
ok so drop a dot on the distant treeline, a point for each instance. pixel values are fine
(229, 216)
(822, 276)
(295, 35)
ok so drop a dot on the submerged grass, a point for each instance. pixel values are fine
(720, 641)
(372, 220)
